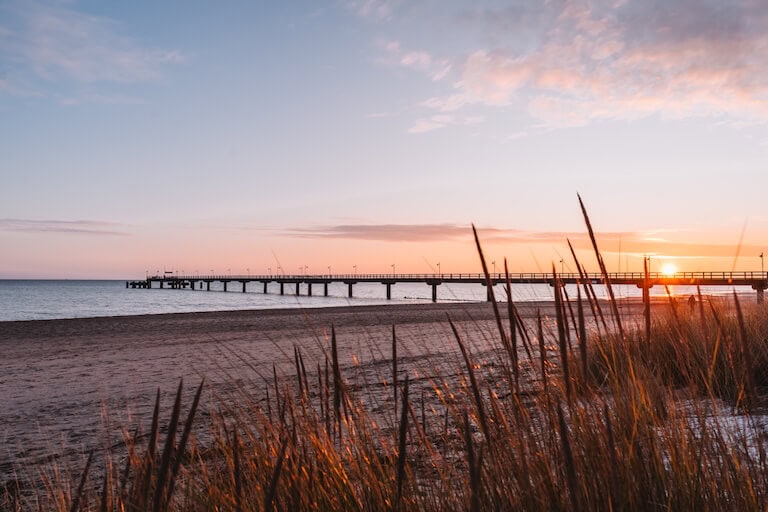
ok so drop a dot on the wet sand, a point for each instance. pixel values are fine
(67, 386)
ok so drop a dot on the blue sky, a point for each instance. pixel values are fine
(138, 136)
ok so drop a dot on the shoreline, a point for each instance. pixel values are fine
(395, 308)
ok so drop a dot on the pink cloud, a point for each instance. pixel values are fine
(619, 60)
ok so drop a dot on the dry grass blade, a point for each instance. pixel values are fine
(647, 300)
(106, 497)
(402, 444)
(511, 313)
(131, 443)
(298, 369)
(473, 383)
(612, 453)
(76, 502)
(149, 461)
(568, 312)
(170, 441)
(489, 283)
(702, 316)
(587, 285)
(561, 326)
(606, 277)
(183, 442)
(237, 473)
(673, 308)
(337, 391)
(542, 354)
(303, 372)
(327, 399)
(269, 497)
(582, 335)
(278, 403)
(570, 469)
(474, 469)
(746, 358)
(394, 367)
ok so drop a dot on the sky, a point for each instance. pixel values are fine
(315, 137)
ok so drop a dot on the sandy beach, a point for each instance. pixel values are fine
(70, 385)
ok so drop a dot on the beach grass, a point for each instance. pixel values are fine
(661, 413)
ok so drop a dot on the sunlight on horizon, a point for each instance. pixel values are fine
(669, 269)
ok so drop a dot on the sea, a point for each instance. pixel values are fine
(58, 299)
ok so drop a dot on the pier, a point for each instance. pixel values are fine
(758, 281)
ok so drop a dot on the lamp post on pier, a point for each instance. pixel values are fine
(393, 269)
(762, 264)
(354, 267)
(438, 268)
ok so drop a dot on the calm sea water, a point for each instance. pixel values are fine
(48, 299)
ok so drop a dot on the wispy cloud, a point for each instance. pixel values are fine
(428, 124)
(55, 42)
(83, 227)
(431, 123)
(385, 232)
(374, 9)
(102, 99)
(417, 60)
(440, 232)
(568, 62)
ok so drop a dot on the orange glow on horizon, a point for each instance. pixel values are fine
(669, 269)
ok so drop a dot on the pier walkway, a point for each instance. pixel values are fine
(758, 281)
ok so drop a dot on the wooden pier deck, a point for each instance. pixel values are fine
(758, 281)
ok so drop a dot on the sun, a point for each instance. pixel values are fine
(669, 269)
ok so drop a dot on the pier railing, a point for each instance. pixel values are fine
(499, 276)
